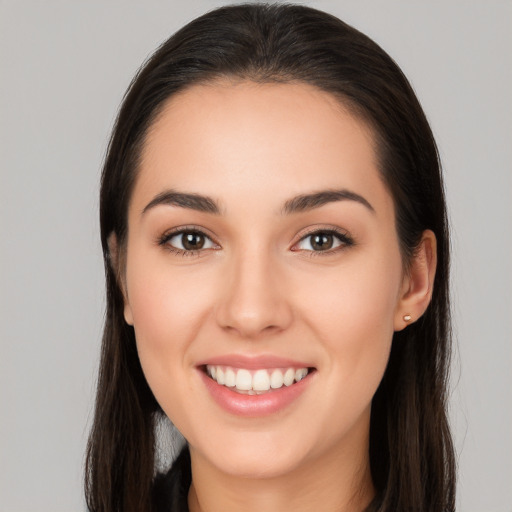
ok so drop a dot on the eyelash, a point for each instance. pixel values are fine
(344, 239)
(164, 241)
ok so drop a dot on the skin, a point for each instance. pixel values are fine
(259, 288)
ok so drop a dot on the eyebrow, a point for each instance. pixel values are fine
(184, 200)
(301, 203)
(316, 200)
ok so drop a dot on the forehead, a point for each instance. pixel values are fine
(260, 140)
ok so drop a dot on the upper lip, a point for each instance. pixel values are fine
(254, 362)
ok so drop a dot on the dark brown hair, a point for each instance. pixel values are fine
(411, 453)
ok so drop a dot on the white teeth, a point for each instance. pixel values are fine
(243, 380)
(261, 381)
(276, 379)
(299, 374)
(255, 382)
(289, 377)
(230, 378)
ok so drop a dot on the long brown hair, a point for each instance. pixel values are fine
(411, 452)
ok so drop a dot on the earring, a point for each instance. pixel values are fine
(407, 318)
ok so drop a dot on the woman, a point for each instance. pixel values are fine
(276, 252)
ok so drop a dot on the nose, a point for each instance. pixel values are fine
(254, 301)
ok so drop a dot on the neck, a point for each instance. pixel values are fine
(334, 482)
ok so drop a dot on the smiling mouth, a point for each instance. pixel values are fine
(255, 382)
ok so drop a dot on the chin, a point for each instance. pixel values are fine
(256, 456)
(256, 467)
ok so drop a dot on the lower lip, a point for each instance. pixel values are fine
(255, 405)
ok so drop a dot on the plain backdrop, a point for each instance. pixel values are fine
(64, 68)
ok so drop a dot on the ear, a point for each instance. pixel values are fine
(418, 283)
(118, 268)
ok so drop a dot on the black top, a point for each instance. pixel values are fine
(170, 490)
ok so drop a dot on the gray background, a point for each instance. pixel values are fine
(64, 68)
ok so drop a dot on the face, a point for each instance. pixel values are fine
(263, 275)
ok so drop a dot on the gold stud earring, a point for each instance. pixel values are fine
(407, 318)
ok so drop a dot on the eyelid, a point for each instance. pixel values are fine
(342, 235)
(163, 240)
(345, 239)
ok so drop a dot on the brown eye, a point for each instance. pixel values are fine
(322, 241)
(192, 241)
(187, 241)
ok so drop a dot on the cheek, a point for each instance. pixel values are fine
(356, 297)
(168, 309)
(352, 313)
(162, 300)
